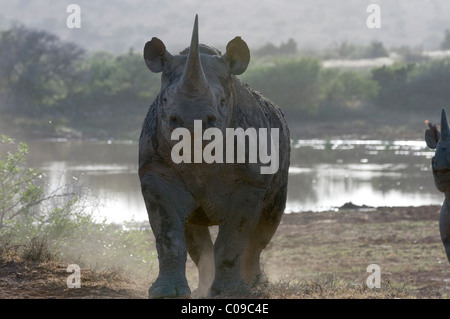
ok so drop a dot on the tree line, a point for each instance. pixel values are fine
(45, 80)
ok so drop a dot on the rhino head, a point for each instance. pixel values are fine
(440, 164)
(196, 84)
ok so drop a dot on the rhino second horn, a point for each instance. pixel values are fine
(445, 131)
(194, 78)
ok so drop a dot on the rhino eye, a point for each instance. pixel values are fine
(222, 102)
(164, 100)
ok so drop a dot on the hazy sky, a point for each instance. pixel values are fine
(118, 25)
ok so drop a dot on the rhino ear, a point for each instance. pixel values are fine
(237, 56)
(432, 135)
(155, 55)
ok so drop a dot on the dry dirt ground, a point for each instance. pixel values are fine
(312, 255)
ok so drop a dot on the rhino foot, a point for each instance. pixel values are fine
(162, 290)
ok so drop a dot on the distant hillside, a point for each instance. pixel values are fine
(118, 26)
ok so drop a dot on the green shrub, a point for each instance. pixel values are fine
(42, 224)
(290, 83)
(20, 192)
(304, 89)
(26, 208)
(413, 86)
(345, 93)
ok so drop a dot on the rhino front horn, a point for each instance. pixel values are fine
(194, 78)
(445, 131)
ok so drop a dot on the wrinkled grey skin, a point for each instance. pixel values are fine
(441, 173)
(182, 200)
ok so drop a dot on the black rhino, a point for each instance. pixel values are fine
(183, 199)
(440, 164)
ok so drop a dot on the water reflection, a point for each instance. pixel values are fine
(327, 174)
(323, 174)
(107, 169)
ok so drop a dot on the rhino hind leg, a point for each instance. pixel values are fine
(258, 240)
(201, 250)
(261, 236)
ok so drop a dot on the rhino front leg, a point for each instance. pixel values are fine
(172, 253)
(229, 246)
(166, 206)
(444, 225)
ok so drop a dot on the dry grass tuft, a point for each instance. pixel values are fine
(326, 286)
